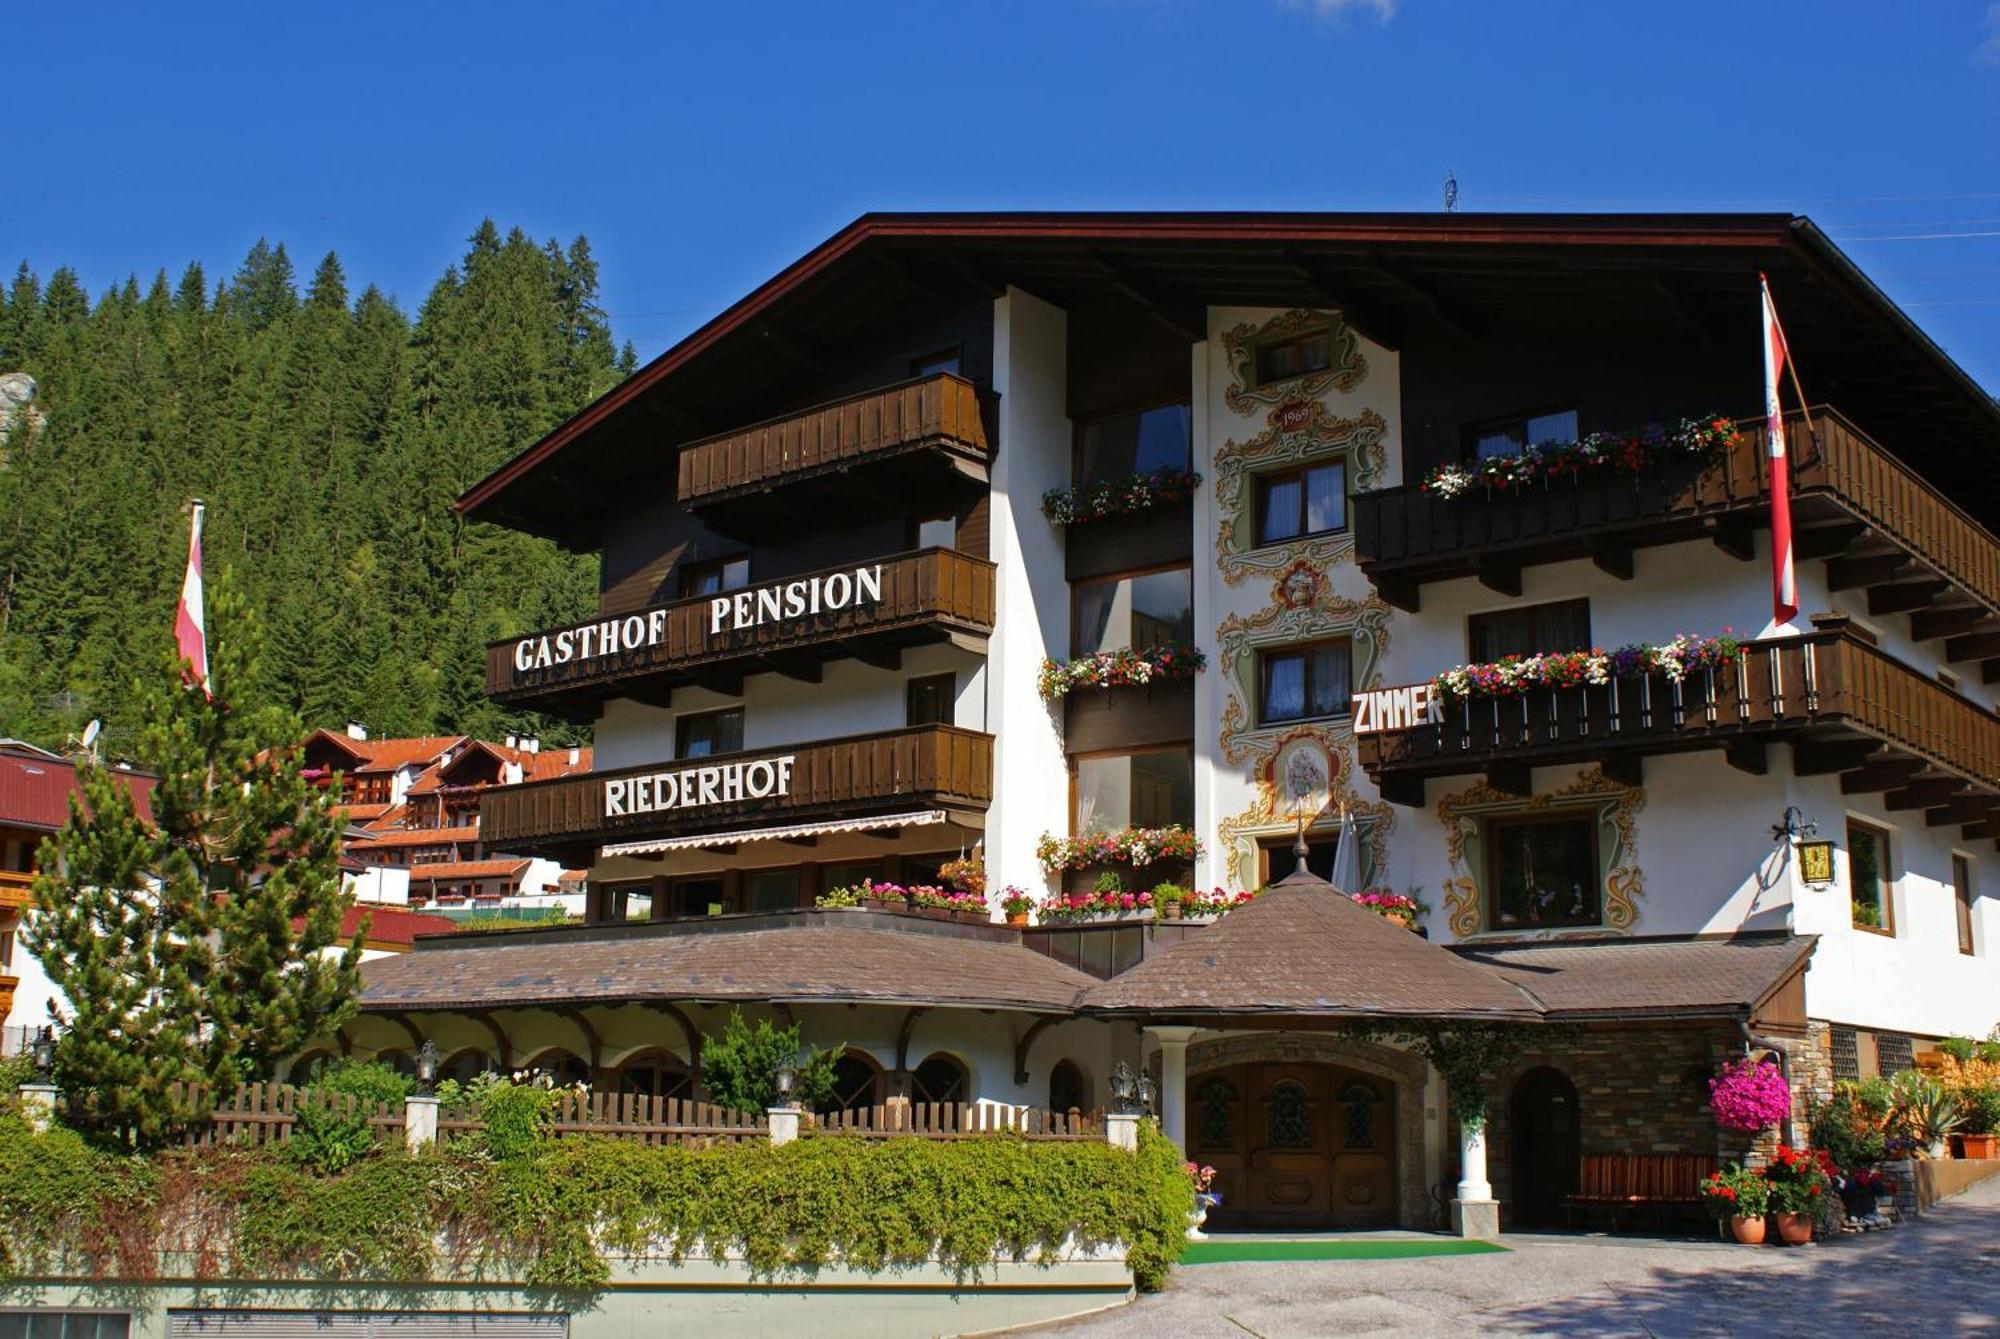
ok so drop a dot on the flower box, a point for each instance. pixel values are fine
(1137, 847)
(1695, 439)
(1117, 497)
(1126, 667)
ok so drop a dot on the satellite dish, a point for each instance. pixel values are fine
(90, 732)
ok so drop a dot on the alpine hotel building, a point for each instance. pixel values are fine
(830, 584)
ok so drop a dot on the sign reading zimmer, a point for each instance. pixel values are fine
(1379, 709)
(804, 597)
(698, 785)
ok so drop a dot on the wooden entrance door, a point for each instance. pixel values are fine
(1295, 1145)
(1547, 1152)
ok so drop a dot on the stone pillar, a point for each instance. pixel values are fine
(784, 1125)
(1173, 1080)
(38, 1105)
(420, 1122)
(1121, 1130)
(1474, 1213)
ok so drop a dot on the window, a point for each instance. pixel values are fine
(1134, 790)
(42, 1323)
(1537, 628)
(1303, 683)
(856, 1084)
(715, 575)
(1358, 1120)
(935, 532)
(1961, 888)
(932, 699)
(771, 889)
(1278, 859)
(940, 1079)
(1154, 609)
(655, 1074)
(1544, 872)
(1215, 1100)
(6, 949)
(699, 897)
(562, 1068)
(1288, 1116)
(1309, 501)
(848, 874)
(1868, 881)
(1846, 1053)
(1509, 436)
(700, 734)
(944, 360)
(1893, 1054)
(1121, 445)
(1283, 359)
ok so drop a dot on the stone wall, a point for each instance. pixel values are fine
(1638, 1091)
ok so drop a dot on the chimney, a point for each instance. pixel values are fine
(531, 744)
(575, 755)
(356, 730)
(513, 741)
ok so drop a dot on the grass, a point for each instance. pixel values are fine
(1402, 1248)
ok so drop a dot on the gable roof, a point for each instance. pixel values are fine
(1721, 976)
(35, 788)
(1302, 949)
(1384, 271)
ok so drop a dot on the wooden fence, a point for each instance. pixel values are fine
(267, 1113)
(956, 1120)
(649, 1120)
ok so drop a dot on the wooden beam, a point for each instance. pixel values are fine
(1923, 793)
(910, 1017)
(876, 657)
(1970, 809)
(1400, 592)
(1747, 754)
(1498, 574)
(1926, 624)
(882, 834)
(1826, 541)
(800, 841)
(1973, 646)
(1178, 313)
(1612, 558)
(1627, 769)
(792, 667)
(1822, 757)
(724, 685)
(1511, 779)
(1879, 775)
(1407, 791)
(1854, 573)
(1733, 535)
(1905, 596)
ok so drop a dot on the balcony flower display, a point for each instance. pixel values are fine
(1131, 846)
(1391, 906)
(1095, 905)
(1016, 904)
(1116, 497)
(1215, 902)
(1630, 452)
(951, 901)
(967, 873)
(1749, 1096)
(1122, 668)
(1510, 676)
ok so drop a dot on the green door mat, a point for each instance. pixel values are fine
(1222, 1252)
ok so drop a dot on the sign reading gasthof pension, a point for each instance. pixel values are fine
(1378, 709)
(698, 785)
(733, 611)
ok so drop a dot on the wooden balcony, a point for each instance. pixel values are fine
(1844, 706)
(1880, 526)
(888, 444)
(930, 767)
(885, 607)
(8, 985)
(16, 889)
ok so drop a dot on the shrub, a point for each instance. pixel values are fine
(1958, 1048)
(1979, 1110)
(1849, 1134)
(740, 1068)
(333, 1130)
(514, 1117)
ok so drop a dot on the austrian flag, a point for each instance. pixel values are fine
(1784, 580)
(189, 632)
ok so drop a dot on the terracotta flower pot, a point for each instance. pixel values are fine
(1981, 1145)
(1749, 1231)
(1170, 911)
(1018, 919)
(1794, 1229)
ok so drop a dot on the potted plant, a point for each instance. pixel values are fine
(1927, 1111)
(1979, 1116)
(839, 897)
(1739, 1196)
(1798, 1181)
(1167, 900)
(1016, 903)
(1401, 908)
(1203, 1177)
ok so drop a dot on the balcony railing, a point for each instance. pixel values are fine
(1845, 490)
(924, 767)
(16, 889)
(1848, 706)
(790, 625)
(938, 415)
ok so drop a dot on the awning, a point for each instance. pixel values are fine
(658, 846)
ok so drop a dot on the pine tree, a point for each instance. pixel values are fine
(193, 949)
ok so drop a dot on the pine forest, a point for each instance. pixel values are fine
(328, 434)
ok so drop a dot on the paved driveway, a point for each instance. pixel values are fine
(1938, 1276)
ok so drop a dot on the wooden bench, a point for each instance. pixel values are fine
(1619, 1182)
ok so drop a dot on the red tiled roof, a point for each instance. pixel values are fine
(386, 755)
(539, 765)
(378, 837)
(365, 813)
(35, 790)
(389, 927)
(466, 869)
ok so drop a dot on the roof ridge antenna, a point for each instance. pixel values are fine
(1450, 191)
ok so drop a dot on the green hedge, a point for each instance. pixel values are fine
(541, 1217)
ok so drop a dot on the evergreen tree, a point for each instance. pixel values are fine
(193, 949)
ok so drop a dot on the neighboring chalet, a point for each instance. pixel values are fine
(413, 810)
(857, 533)
(35, 786)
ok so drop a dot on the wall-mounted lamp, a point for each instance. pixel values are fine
(1793, 825)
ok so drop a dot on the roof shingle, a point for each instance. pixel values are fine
(1621, 977)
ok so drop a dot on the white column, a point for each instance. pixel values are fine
(1173, 1042)
(1472, 1182)
(420, 1122)
(784, 1124)
(1121, 1130)
(38, 1105)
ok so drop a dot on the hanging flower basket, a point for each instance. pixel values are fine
(1628, 452)
(1749, 1096)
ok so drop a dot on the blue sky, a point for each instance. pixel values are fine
(702, 146)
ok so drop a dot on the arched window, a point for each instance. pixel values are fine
(857, 1084)
(654, 1074)
(465, 1066)
(1358, 1120)
(1287, 1115)
(306, 1067)
(400, 1061)
(1215, 1106)
(1067, 1091)
(940, 1078)
(563, 1067)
